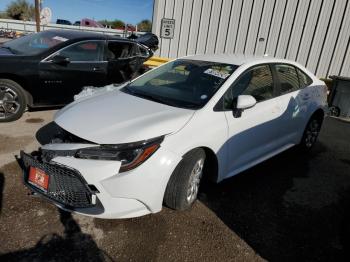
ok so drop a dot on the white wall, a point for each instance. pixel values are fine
(315, 33)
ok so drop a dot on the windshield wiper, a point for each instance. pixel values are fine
(152, 98)
(146, 96)
(157, 99)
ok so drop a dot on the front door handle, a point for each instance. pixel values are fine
(97, 69)
(306, 97)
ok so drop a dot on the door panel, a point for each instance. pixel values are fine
(257, 132)
(293, 102)
(123, 61)
(60, 82)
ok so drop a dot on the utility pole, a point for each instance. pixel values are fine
(37, 15)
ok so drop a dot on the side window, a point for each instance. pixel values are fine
(304, 79)
(288, 78)
(256, 82)
(85, 51)
(143, 51)
(119, 50)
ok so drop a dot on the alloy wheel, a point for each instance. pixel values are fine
(194, 181)
(9, 102)
(312, 132)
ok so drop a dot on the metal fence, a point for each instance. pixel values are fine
(30, 27)
(316, 33)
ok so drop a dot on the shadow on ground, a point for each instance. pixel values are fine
(294, 207)
(53, 247)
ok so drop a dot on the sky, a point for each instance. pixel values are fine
(129, 11)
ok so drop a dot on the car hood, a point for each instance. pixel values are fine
(116, 117)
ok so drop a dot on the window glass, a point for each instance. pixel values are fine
(85, 51)
(120, 50)
(33, 44)
(288, 78)
(304, 79)
(143, 51)
(182, 83)
(256, 82)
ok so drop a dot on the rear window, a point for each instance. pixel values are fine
(288, 78)
(304, 79)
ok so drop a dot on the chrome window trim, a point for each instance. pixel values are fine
(46, 60)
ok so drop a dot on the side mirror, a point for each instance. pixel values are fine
(60, 60)
(243, 102)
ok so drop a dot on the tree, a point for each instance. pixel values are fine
(145, 26)
(105, 23)
(3, 15)
(117, 23)
(20, 10)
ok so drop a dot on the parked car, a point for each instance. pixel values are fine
(50, 67)
(125, 152)
(63, 22)
(90, 23)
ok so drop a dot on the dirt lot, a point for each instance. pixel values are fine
(293, 207)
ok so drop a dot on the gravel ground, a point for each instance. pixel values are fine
(293, 207)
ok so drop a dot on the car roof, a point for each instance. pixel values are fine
(75, 34)
(236, 59)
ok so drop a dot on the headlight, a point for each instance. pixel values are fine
(131, 155)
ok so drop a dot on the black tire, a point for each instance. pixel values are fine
(334, 111)
(177, 192)
(311, 132)
(11, 91)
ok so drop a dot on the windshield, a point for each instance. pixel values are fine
(34, 44)
(182, 83)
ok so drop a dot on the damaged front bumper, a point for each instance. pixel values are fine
(95, 187)
(66, 187)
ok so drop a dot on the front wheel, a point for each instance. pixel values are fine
(183, 186)
(12, 100)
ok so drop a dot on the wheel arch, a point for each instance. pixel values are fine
(319, 114)
(211, 164)
(22, 82)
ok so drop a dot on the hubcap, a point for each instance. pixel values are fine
(194, 181)
(311, 133)
(9, 104)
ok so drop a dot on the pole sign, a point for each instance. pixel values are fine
(167, 28)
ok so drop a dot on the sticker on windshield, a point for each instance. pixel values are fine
(217, 73)
(59, 38)
(204, 97)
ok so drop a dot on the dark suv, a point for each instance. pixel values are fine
(50, 67)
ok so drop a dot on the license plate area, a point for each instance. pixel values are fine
(38, 178)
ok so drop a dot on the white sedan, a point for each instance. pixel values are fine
(123, 153)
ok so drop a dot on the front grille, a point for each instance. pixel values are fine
(66, 186)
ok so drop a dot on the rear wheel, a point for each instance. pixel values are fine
(12, 100)
(311, 133)
(183, 186)
(334, 111)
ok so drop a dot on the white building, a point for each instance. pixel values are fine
(315, 33)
